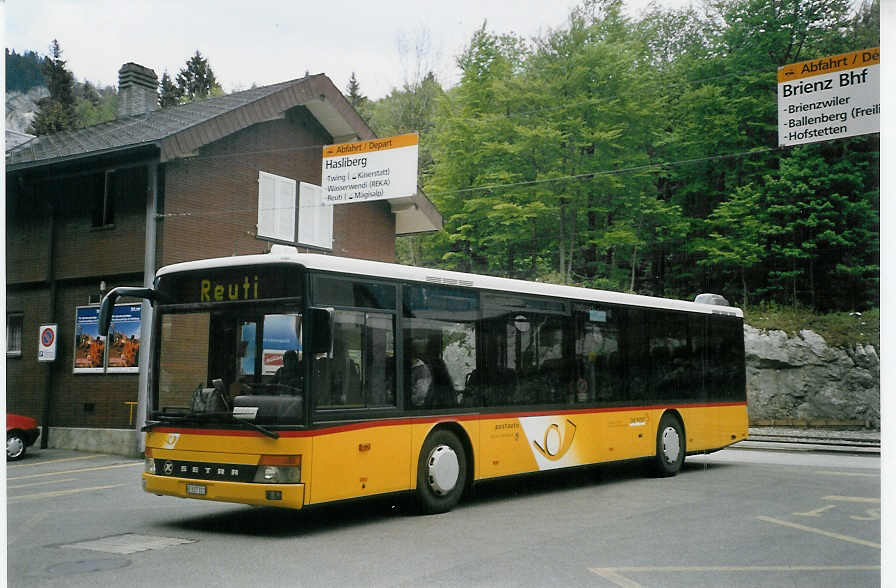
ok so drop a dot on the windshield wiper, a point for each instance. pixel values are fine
(206, 417)
(259, 428)
(164, 419)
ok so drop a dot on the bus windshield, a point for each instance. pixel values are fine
(244, 358)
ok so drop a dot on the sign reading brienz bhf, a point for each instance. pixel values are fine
(829, 98)
(370, 170)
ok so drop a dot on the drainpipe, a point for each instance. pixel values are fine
(146, 314)
(51, 280)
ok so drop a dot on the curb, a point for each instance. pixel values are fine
(808, 446)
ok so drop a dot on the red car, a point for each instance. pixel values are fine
(21, 433)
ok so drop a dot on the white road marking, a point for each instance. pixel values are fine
(66, 472)
(852, 499)
(614, 574)
(61, 493)
(820, 532)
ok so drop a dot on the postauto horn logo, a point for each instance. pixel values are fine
(556, 443)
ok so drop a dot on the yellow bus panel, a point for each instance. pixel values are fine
(362, 459)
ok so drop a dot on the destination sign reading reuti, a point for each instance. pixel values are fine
(376, 169)
(829, 98)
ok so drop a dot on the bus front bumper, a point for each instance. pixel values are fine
(282, 495)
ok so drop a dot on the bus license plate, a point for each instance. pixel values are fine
(196, 489)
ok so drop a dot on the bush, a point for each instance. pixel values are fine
(839, 329)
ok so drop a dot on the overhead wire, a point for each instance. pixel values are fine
(659, 165)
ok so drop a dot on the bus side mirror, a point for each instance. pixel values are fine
(323, 325)
(108, 304)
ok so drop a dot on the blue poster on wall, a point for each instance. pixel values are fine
(89, 346)
(117, 353)
(124, 339)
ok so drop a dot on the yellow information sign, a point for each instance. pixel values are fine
(829, 98)
(825, 65)
(375, 169)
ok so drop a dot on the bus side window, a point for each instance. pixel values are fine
(440, 346)
(598, 364)
(361, 372)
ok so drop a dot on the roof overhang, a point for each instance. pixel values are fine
(415, 214)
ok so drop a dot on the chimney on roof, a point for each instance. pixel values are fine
(137, 90)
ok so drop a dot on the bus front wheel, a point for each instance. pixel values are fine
(670, 446)
(441, 472)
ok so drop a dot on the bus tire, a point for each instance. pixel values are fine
(441, 472)
(670, 446)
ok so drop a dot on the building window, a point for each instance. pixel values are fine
(315, 218)
(276, 207)
(104, 199)
(14, 335)
(282, 218)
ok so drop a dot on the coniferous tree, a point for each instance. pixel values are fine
(57, 112)
(23, 72)
(357, 99)
(169, 93)
(196, 80)
(354, 95)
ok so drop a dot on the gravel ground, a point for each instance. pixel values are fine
(799, 434)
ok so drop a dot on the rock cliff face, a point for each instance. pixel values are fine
(803, 378)
(21, 108)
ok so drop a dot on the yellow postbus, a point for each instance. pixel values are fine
(291, 379)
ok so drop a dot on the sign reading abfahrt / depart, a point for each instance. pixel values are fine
(829, 98)
(376, 169)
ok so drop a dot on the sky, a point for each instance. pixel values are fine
(265, 41)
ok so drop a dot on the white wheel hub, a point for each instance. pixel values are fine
(14, 446)
(671, 444)
(443, 468)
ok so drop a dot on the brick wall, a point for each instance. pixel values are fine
(81, 250)
(84, 256)
(25, 378)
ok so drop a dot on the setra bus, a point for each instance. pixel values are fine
(289, 379)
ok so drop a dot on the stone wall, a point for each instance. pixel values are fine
(802, 380)
(108, 441)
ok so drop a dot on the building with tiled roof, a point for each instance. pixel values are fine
(109, 204)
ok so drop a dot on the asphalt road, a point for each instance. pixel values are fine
(739, 517)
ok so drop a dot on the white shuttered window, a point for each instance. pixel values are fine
(276, 207)
(315, 217)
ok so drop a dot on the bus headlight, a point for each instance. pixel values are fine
(277, 475)
(279, 469)
(149, 466)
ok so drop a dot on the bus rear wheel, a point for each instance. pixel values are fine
(441, 472)
(670, 446)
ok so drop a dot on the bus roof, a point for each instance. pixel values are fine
(378, 269)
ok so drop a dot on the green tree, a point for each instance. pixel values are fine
(169, 93)
(410, 108)
(24, 71)
(823, 226)
(356, 98)
(736, 242)
(641, 155)
(94, 105)
(57, 112)
(472, 140)
(864, 31)
(196, 80)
